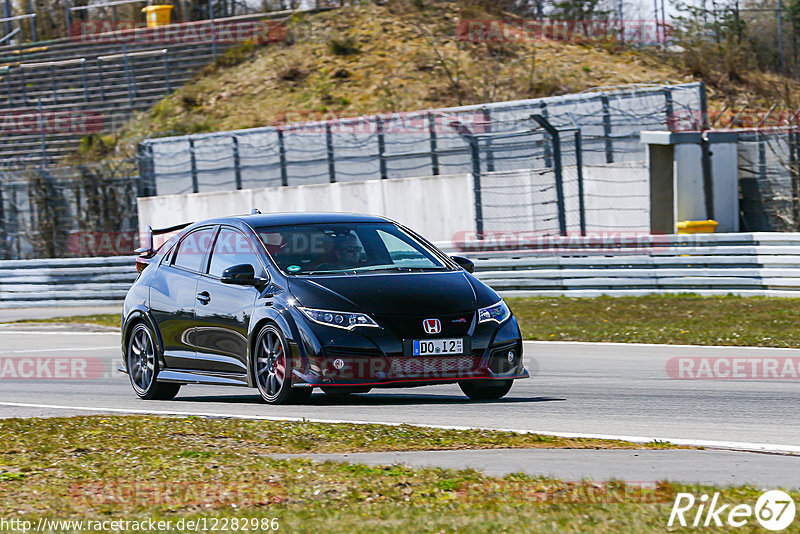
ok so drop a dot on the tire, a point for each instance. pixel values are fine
(141, 361)
(481, 391)
(272, 368)
(345, 390)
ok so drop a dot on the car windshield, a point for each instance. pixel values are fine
(347, 248)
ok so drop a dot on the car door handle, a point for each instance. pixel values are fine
(204, 297)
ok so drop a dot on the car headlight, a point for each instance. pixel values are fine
(498, 312)
(338, 319)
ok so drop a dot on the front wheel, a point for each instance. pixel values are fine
(141, 361)
(478, 390)
(272, 365)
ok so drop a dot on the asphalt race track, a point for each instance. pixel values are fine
(583, 389)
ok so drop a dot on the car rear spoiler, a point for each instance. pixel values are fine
(147, 250)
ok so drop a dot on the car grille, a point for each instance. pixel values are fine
(410, 327)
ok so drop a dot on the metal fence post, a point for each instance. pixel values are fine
(282, 156)
(22, 85)
(489, 153)
(213, 29)
(41, 131)
(708, 183)
(329, 144)
(193, 157)
(579, 165)
(607, 129)
(101, 83)
(53, 80)
(7, 14)
(237, 168)
(703, 106)
(67, 18)
(548, 153)
(128, 76)
(381, 148)
(558, 171)
(166, 70)
(434, 154)
(146, 164)
(32, 10)
(669, 109)
(476, 183)
(7, 76)
(85, 81)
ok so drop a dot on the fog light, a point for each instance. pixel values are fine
(512, 356)
(338, 363)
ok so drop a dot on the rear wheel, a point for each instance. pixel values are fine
(478, 390)
(273, 369)
(141, 360)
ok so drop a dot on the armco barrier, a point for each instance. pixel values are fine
(65, 281)
(709, 264)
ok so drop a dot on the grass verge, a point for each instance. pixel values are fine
(113, 319)
(669, 319)
(139, 468)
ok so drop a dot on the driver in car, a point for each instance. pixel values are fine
(347, 252)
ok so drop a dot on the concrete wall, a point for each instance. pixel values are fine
(617, 198)
(437, 207)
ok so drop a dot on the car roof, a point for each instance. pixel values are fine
(282, 219)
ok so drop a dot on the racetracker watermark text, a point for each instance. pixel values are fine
(200, 524)
(734, 368)
(107, 31)
(572, 31)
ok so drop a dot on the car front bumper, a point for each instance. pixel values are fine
(379, 357)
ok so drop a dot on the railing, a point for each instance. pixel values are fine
(706, 264)
(65, 282)
(130, 74)
(8, 20)
(617, 265)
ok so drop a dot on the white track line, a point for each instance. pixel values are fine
(662, 346)
(74, 349)
(726, 445)
(59, 333)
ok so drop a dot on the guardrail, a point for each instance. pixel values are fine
(618, 265)
(65, 281)
(513, 264)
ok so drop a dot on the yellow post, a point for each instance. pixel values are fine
(158, 15)
(697, 227)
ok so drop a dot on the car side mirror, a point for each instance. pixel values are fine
(464, 263)
(240, 275)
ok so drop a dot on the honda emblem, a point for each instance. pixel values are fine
(432, 326)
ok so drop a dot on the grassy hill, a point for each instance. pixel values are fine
(406, 56)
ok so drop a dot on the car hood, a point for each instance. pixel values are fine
(388, 293)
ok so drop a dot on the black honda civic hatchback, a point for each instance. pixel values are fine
(289, 302)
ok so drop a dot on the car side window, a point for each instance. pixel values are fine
(232, 248)
(192, 250)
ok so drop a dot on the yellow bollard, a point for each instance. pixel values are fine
(697, 227)
(158, 15)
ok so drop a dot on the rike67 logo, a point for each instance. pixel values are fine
(774, 510)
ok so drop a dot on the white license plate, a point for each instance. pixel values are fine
(426, 347)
